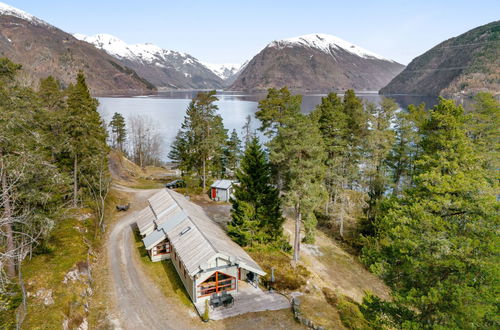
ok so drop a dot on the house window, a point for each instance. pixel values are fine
(162, 248)
(216, 283)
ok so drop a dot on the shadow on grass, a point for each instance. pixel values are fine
(163, 271)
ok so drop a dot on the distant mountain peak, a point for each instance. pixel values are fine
(7, 10)
(162, 67)
(326, 43)
(225, 70)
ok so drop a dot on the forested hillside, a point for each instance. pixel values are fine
(53, 168)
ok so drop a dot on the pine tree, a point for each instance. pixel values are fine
(201, 141)
(437, 246)
(332, 122)
(379, 144)
(405, 150)
(357, 132)
(483, 124)
(299, 151)
(85, 134)
(31, 189)
(256, 212)
(118, 131)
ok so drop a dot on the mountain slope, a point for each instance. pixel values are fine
(316, 62)
(163, 68)
(462, 65)
(45, 50)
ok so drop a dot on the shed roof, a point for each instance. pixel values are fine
(195, 238)
(222, 184)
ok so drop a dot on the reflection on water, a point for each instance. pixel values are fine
(167, 109)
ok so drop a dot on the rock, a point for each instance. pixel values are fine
(72, 276)
(45, 295)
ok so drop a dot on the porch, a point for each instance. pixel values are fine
(246, 300)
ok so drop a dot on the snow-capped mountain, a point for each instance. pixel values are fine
(224, 71)
(43, 50)
(163, 68)
(316, 62)
(326, 43)
(7, 10)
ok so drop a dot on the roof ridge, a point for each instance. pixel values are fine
(197, 227)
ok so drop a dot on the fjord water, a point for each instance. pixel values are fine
(167, 109)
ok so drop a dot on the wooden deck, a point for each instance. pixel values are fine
(248, 299)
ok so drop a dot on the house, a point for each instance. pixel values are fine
(221, 190)
(205, 258)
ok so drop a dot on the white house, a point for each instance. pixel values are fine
(205, 258)
(222, 190)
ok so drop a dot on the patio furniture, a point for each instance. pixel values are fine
(215, 300)
(227, 299)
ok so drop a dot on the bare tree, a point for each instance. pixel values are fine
(145, 141)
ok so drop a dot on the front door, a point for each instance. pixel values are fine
(214, 193)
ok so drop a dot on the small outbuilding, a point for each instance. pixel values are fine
(207, 260)
(222, 190)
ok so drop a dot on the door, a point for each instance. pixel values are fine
(214, 193)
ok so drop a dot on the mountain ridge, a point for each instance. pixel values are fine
(316, 62)
(164, 68)
(462, 65)
(43, 49)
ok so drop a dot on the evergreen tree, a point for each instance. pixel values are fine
(256, 212)
(401, 159)
(332, 122)
(118, 131)
(31, 189)
(437, 246)
(85, 134)
(355, 139)
(483, 123)
(299, 151)
(201, 141)
(379, 144)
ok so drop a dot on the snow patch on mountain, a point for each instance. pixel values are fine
(146, 52)
(224, 71)
(326, 43)
(5, 9)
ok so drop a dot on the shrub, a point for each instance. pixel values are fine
(206, 316)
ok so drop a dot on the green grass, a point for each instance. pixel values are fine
(46, 271)
(163, 273)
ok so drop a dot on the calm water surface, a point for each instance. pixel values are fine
(167, 109)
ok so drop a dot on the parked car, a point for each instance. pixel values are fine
(175, 184)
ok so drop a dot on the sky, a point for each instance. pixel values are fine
(234, 31)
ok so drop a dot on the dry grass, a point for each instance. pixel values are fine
(315, 307)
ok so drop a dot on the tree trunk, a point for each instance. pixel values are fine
(296, 243)
(7, 214)
(204, 174)
(75, 182)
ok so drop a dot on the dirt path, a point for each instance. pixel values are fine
(138, 301)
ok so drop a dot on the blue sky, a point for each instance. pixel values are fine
(233, 31)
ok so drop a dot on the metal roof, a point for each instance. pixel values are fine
(222, 184)
(198, 245)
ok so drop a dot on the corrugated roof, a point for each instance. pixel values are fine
(222, 184)
(198, 245)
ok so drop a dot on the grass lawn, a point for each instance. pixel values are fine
(163, 273)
